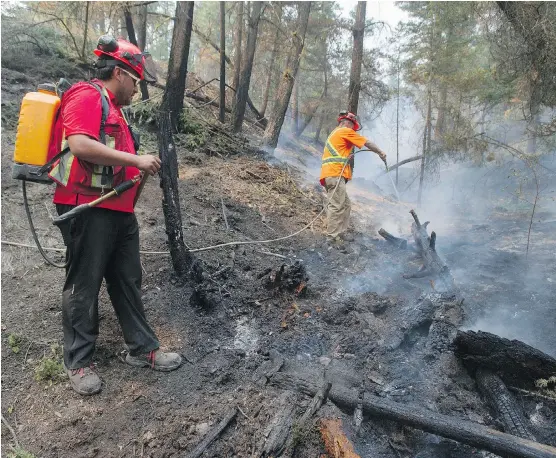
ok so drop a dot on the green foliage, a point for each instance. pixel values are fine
(18, 452)
(196, 134)
(50, 368)
(14, 341)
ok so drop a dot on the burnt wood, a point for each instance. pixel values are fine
(398, 242)
(280, 428)
(213, 434)
(433, 265)
(503, 404)
(454, 428)
(515, 362)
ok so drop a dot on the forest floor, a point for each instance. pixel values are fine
(351, 321)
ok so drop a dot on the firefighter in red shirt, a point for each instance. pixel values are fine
(104, 242)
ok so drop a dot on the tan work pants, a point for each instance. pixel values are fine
(338, 208)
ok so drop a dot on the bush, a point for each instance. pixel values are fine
(14, 341)
(20, 453)
(195, 134)
(50, 368)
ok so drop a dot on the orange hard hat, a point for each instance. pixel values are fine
(350, 117)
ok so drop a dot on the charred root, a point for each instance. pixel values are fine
(396, 241)
(292, 278)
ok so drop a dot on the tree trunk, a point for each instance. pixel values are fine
(458, 429)
(232, 66)
(141, 26)
(272, 131)
(133, 40)
(426, 145)
(295, 108)
(441, 120)
(181, 258)
(238, 110)
(177, 65)
(307, 120)
(398, 119)
(319, 128)
(222, 113)
(85, 29)
(238, 38)
(357, 57)
(270, 72)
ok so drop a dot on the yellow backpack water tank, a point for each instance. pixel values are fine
(36, 120)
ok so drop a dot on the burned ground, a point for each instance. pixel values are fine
(358, 321)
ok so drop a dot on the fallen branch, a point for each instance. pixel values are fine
(302, 424)
(398, 242)
(224, 213)
(532, 394)
(213, 434)
(272, 254)
(12, 432)
(417, 417)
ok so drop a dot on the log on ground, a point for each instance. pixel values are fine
(503, 404)
(457, 429)
(517, 363)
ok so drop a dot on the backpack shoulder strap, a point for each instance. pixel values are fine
(102, 135)
(105, 109)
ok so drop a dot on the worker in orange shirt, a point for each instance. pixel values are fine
(339, 146)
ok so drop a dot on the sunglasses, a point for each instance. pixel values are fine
(133, 77)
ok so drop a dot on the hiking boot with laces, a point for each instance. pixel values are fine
(84, 380)
(156, 359)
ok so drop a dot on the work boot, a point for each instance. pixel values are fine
(156, 359)
(84, 380)
(336, 242)
(347, 237)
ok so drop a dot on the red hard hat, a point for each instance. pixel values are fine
(122, 51)
(350, 117)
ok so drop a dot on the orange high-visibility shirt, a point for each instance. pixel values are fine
(339, 146)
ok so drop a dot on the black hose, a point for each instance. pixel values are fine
(34, 232)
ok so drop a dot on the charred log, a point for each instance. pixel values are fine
(280, 428)
(517, 363)
(433, 265)
(396, 241)
(503, 404)
(417, 417)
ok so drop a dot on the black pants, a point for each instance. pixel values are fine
(102, 244)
